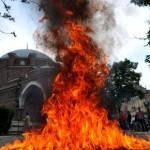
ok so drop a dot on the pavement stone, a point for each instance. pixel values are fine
(8, 139)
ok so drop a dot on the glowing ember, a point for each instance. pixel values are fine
(74, 121)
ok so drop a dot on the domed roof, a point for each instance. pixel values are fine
(26, 52)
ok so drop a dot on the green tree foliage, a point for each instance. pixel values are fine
(147, 60)
(148, 37)
(141, 2)
(121, 84)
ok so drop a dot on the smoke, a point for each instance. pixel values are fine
(58, 11)
(99, 15)
(106, 32)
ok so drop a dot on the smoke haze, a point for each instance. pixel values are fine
(99, 15)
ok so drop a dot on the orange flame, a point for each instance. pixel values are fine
(74, 121)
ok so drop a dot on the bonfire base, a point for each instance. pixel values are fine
(8, 139)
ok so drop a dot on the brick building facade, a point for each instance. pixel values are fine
(25, 82)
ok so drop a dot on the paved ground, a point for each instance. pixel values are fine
(144, 135)
(7, 139)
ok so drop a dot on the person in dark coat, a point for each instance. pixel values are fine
(128, 120)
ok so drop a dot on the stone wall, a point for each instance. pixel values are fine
(22, 79)
(136, 103)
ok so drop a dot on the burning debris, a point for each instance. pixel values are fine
(74, 121)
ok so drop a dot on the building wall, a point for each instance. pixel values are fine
(13, 66)
(136, 103)
(17, 72)
(8, 97)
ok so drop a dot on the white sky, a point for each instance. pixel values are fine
(132, 21)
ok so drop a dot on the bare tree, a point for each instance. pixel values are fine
(7, 15)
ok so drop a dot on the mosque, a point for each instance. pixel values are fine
(25, 81)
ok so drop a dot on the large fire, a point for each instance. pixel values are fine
(74, 120)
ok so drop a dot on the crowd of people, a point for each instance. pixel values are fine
(139, 122)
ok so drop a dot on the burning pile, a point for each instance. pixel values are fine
(74, 121)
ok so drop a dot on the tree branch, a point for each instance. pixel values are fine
(143, 39)
(7, 7)
(30, 1)
(12, 33)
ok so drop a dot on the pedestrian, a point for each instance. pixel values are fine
(123, 119)
(140, 119)
(27, 122)
(128, 120)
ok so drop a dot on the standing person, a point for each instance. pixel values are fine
(123, 119)
(128, 120)
(148, 117)
(140, 119)
(136, 122)
(27, 122)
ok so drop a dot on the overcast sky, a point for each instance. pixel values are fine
(132, 23)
